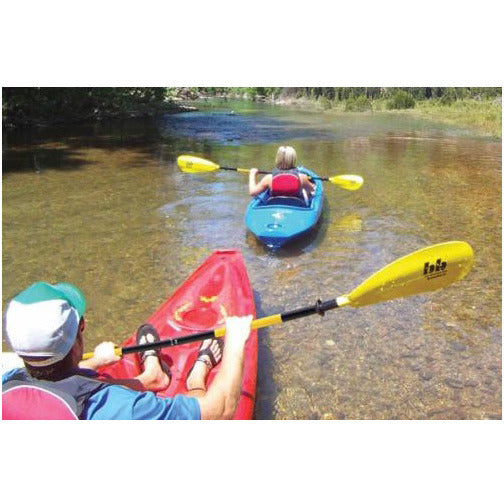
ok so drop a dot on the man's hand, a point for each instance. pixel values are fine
(237, 333)
(103, 355)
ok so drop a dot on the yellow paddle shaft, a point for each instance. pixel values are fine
(88, 355)
(255, 324)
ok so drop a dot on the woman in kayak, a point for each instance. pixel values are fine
(45, 325)
(285, 180)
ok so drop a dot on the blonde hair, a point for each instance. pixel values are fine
(286, 158)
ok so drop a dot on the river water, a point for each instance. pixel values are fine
(105, 207)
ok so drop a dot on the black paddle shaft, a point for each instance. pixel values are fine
(268, 173)
(169, 342)
(236, 169)
(319, 307)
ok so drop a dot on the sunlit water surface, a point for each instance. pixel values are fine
(105, 207)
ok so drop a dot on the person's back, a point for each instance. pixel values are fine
(285, 181)
(26, 398)
(85, 395)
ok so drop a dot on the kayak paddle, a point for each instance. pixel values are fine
(427, 269)
(191, 164)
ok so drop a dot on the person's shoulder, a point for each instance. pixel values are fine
(10, 361)
(11, 373)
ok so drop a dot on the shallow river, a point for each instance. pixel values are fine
(105, 207)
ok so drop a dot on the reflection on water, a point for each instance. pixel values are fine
(105, 207)
(237, 129)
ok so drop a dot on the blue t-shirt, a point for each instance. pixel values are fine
(115, 402)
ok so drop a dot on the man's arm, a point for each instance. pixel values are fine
(222, 397)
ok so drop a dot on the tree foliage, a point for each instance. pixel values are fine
(342, 94)
(24, 106)
(40, 105)
(401, 100)
(359, 104)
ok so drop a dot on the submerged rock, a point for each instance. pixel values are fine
(454, 383)
(426, 375)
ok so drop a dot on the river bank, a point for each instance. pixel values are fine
(477, 109)
(479, 113)
(99, 116)
(42, 107)
(481, 116)
(484, 117)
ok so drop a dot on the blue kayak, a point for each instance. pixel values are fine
(280, 219)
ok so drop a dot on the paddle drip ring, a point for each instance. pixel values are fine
(319, 307)
(322, 306)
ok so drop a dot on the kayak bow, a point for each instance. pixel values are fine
(218, 288)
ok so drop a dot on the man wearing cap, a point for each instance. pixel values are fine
(44, 325)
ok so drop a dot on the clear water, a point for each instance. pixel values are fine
(105, 207)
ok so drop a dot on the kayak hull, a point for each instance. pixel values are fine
(218, 288)
(285, 220)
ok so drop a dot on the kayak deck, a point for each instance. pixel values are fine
(218, 288)
(276, 221)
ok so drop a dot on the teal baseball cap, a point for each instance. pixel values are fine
(42, 321)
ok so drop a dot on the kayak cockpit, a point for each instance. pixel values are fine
(266, 199)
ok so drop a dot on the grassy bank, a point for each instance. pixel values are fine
(482, 116)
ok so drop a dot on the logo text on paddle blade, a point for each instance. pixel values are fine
(435, 270)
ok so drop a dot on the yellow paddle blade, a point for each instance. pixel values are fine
(425, 270)
(191, 164)
(350, 182)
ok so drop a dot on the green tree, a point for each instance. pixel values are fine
(401, 100)
(35, 105)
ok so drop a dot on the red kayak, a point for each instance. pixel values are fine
(220, 287)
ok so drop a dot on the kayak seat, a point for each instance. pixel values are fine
(286, 200)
